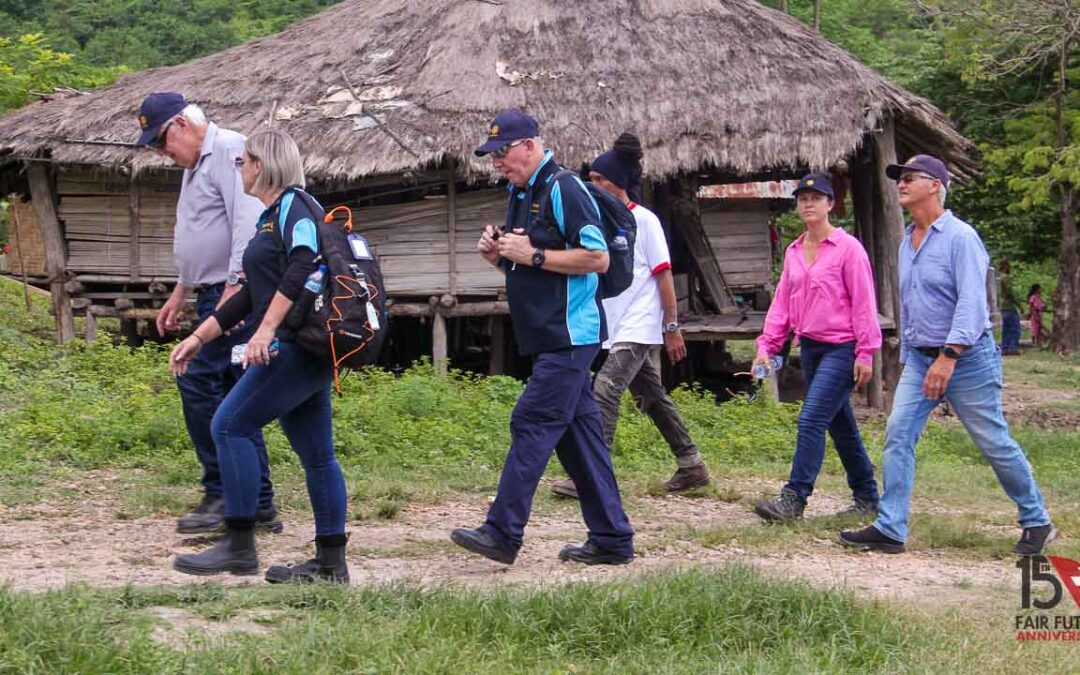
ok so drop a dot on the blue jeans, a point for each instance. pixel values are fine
(829, 373)
(557, 410)
(1010, 330)
(293, 388)
(974, 392)
(209, 377)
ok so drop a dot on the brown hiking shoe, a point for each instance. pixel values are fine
(565, 488)
(688, 478)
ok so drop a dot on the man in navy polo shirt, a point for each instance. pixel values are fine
(551, 273)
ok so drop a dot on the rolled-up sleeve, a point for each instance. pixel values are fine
(970, 264)
(778, 318)
(859, 279)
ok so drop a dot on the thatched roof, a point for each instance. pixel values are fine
(380, 86)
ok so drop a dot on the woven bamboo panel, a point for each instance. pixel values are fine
(27, 247)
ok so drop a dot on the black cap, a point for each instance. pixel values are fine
(816, 182)
(507, 127)
(156, 110)
(928, 164)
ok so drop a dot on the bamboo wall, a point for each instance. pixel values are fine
(27, 247)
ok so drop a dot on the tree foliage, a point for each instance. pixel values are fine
(28, 64)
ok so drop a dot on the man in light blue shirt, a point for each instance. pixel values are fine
(948, 352)
(215, 219)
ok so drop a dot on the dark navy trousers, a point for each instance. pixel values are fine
(557, 411)
(209, 378)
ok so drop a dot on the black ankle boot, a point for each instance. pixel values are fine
(327, 565)
(234, 552)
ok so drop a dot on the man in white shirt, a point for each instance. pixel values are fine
(215, 219)
(639, 321)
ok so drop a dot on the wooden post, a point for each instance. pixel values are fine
(91, 326)
(43, 197)
(438, 342)
(451, 227)
(889, 217)
(497, 330)
(862, 199)
(134, 228)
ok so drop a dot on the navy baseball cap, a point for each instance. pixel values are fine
(507, 127)
(928, 164)
(156, 110)
(816, 182)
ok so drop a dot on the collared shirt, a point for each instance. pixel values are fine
(831, 300)
(552, 311)
(215, 219)
(943, 286)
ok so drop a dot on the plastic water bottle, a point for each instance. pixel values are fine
(309, 294)
(620, 243)
(315, 280)
(763, 370)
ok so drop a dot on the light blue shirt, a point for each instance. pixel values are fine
(215, 219)
(943, 286)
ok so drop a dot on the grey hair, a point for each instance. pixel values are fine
(281, 163)
(942, 193)
(194, 114)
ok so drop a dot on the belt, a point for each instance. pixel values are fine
(932, 352)
(199, 288)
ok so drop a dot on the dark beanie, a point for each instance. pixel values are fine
(614, 167)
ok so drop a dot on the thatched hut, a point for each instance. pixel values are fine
(387, 99)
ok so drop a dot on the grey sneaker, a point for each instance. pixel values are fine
(788, 506)
(859, 507)
(1035, 539)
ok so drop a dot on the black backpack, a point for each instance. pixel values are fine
(345, 322)
(620, 232)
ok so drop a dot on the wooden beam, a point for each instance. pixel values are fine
(52, 235)
(888, 235)
(91, 327)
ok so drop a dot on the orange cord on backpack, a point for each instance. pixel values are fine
(336, 317)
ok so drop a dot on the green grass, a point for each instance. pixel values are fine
(1044, 369)
(730, 620)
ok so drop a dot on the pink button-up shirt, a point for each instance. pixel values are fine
(832, 300)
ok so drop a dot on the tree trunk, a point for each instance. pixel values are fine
(817, 15)
(1066, 331)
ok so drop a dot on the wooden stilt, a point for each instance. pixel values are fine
(862, 188)
(438, 342)
(44, 202)
(497, 330)
(91, 326)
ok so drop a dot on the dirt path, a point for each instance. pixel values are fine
(48, 546)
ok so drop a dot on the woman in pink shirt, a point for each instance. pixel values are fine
(826, 296)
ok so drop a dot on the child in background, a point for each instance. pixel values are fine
(1036, 307)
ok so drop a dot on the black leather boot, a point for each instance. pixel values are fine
(234, 552)
(327, 565)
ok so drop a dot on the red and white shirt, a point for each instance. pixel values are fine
(636, 315)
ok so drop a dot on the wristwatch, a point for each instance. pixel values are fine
(234, 279)
(950, 353)
(671, 327)
(538, 258)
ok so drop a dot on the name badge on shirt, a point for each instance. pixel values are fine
(360, 248)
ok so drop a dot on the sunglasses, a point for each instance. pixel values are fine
(241, 161)
(505, 150)
(159, 142)
(912, 177)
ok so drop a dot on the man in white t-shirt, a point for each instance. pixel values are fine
(639, 321)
